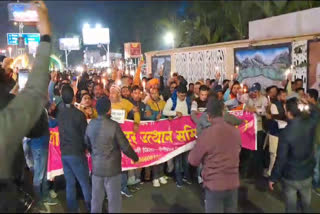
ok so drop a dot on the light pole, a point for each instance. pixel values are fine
(169, 39)
(66, 53)
(9, 49)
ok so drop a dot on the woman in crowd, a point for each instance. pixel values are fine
(86, 107)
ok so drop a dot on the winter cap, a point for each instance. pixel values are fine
(255, 87)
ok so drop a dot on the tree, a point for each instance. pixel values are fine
(219, 21)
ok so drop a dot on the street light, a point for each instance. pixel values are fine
(86, 26)
(79, 69)
(169, 38)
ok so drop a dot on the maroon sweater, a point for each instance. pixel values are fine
(218, 149)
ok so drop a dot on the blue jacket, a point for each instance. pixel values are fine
(174, 98)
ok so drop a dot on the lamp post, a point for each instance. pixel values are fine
(10, 49)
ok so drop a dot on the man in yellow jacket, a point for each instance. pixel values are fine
(119, 112)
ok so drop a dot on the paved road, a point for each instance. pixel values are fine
(253, 198)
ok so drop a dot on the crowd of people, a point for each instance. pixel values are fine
(81, 106)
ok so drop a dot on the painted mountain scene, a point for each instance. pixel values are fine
(265, 64)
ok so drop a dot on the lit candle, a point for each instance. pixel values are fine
(231, 76)
(241, 85)
(144, 85)
(287, 73)
(109, 70)
(118, 82)
(237, 69)
(269, 99)
(104, 83)
(306, 108)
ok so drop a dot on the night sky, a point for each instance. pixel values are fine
(128, 21)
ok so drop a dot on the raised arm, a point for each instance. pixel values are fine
(25, 109)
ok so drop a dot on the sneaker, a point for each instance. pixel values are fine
(50, 201)
(156, 183)
(126, 193)
(131, 181)
(165, 177)
(132, 189)
(137, 181)
(316, 191)
(179, 185)
(53, 194)
(200, 180)
(40, 207)
(186, 181)
(163, 180)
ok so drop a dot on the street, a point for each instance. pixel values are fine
(253, 198)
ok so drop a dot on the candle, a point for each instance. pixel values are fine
(118, 82)
(109, 70)
(287, 73)
(237, 69)
(231, 76)
(241, 85)
(144, 85)
(269, 99)
(104, 83)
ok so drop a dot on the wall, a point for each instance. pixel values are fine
(229, 53)
(291, 24)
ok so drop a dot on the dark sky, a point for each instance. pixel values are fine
(128, 21)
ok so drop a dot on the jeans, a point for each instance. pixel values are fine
(170, 164)
(157, 171)
(291, 189)
(109, 185)
(27, 153)
(199, 170)
(221, 201)
(124, 181)
(76, 168)
(40, 182)
(256, 159)
(316, 176)
(181, 164)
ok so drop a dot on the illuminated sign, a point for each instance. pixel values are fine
(69, 43)
(95, 36)
(28, 37)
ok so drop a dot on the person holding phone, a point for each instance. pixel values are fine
(18, 116)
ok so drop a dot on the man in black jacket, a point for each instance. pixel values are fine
(106, 141)
(295, 160)
(72, 127)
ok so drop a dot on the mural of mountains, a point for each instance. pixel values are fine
(282, 59)
(270, 63)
